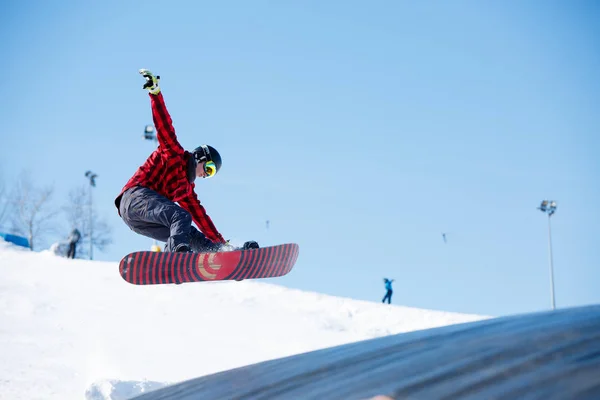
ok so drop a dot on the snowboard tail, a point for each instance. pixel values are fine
(152, 268)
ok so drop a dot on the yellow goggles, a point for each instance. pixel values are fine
(210, 169)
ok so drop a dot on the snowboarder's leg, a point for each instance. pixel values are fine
(388, 297)
(200, 243)
(150, 214)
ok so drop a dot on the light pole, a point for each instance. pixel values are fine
(149, 134)
(92, 177)
(549, 207)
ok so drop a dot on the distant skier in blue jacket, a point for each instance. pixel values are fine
(389, 291)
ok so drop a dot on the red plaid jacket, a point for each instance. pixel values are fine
(165, 171)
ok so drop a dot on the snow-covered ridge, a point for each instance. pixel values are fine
(74, 329)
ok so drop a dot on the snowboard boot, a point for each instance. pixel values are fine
(182, 248)
(251, 244)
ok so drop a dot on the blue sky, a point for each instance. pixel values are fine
(360, 130)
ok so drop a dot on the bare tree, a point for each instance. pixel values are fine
(5, 204)
(34, 216)
(78, 216)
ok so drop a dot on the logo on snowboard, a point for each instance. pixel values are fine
(211, 265)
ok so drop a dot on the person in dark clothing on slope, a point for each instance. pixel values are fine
(73, 239)
(389, 291)
(147, 202)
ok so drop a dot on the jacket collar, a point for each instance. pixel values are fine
(191, 167)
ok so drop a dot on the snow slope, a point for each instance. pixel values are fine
(74, 329)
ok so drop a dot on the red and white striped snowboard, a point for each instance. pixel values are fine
(153, 268)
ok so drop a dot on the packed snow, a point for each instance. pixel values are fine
(74, 329)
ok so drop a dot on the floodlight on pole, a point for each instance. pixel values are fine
(549, 207)
(149, 133)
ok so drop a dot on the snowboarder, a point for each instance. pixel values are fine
(389, 291)
(147, 202)
(73, 239)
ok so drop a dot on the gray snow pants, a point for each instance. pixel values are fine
(150, 214)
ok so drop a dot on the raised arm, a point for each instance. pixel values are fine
(165, 133)
(164, 126)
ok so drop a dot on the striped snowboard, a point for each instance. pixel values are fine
(152, 268)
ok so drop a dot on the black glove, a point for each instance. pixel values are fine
(251, 244)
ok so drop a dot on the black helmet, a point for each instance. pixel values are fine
(207, 153)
